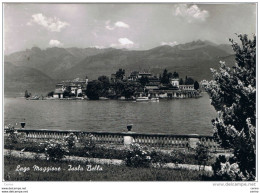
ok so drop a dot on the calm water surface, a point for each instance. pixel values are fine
(179, 116)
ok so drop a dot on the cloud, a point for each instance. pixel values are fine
(55, 43)
(121, 24)
(191, 14)
(53, 24)
(118, 24)
(174, 43)
(123, 43)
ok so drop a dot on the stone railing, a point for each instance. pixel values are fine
(123, 138)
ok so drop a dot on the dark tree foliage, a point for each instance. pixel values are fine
(127, 89)
(144, 80)
(175, 75)
(50, 94)
(72, 95)
(104, 80)
(233, 94)
(94, 90)
(105, 85)
(189, 81)
(201, 154)
(196, 85)
(119, 88)
(181, 82)
(80, 95)
(165, 77)
(66, 93)
(120, 74)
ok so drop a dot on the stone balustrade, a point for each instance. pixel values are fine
(153, 140)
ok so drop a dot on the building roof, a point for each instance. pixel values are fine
(134, 73)
(58, 91)
(183, 85)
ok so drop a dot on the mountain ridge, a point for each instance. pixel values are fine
(192, 59)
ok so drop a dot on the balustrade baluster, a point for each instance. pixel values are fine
(156, 140)
(141, 140)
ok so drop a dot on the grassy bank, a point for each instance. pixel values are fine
(108, 172)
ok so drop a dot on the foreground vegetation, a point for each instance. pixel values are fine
(135, 158)
(92, 150)
(108, 173)
(233, 95)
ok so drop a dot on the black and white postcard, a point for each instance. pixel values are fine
(129, 92)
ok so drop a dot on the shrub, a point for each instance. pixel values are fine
(70, 140)
(137, 156)
(12, 137)
(227, 169)
(55, 150)
(178, 156)
(88, 141)
(201, 154)
(158, 158)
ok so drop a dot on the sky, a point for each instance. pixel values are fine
(130, 26)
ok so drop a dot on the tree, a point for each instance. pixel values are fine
(175, 75)
(189, 81)
(233, 94)
(50, 94)
(71, 95)
(129, 90)
(181, 82)
(104, 80)
(165, 77)
(105, 85)
(119, 88)
(196, 85)
(144, 80)
(66, 93)
(201, 154)
(120, 74)
(94, 90)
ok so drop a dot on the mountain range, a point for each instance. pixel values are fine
(38, 70)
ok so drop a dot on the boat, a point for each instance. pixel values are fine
(142, 99)
(50, 98)
(121, 98)
(155, 99)
(33, 98)
(103, 98)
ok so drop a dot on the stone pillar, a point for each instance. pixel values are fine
(193, 141)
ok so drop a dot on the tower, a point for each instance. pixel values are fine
(86, 80)
(175, 82)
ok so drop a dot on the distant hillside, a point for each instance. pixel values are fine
(190, 60)
(193, 59)
(52, 61)
(19, 79)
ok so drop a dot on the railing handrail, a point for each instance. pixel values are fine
(116, 133)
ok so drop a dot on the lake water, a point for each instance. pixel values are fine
(178, 116)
